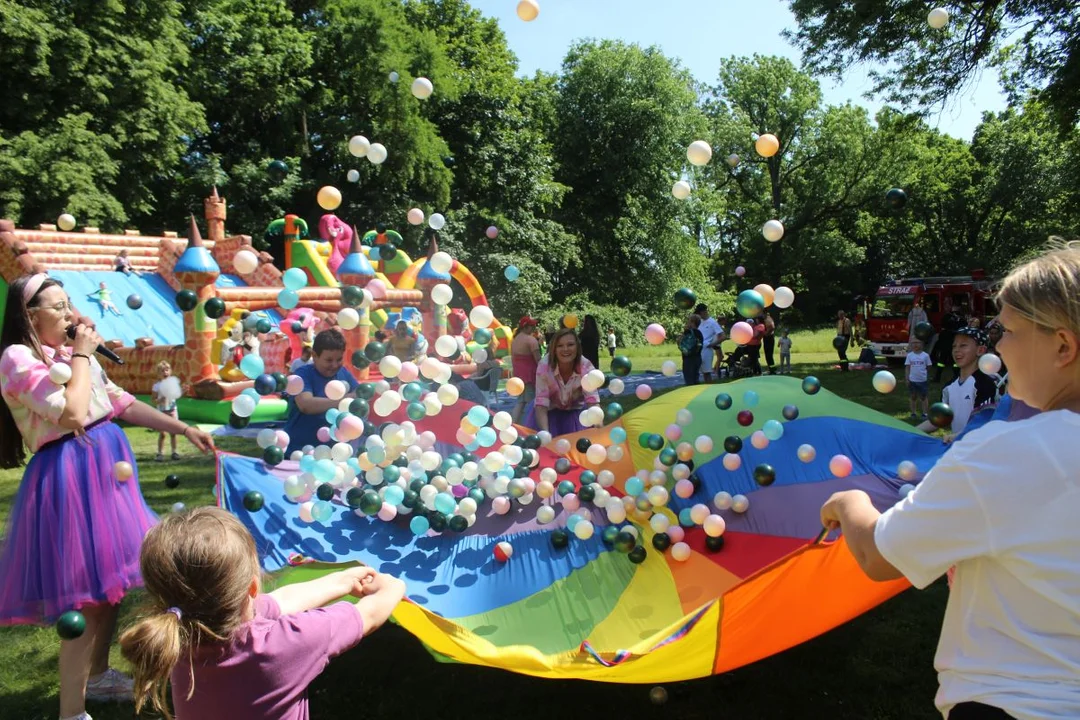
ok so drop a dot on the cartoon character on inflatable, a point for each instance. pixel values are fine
(458, 323)
(299, 327)
(333, 230)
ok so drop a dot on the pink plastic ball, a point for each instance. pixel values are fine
(323, 434)
(732, 462)
(350, 428)
(673, 432)
(123, 471)
(655, 334)
(840, 466)
(759, 440)
(281, 439)
(684, 489)
(492, 232)
(409, 372)
(740, 271)
(643, 392)
(676, 533)
(295, 385)
(742, 333)
(377, 288)
(387, 512)
(571, 502)
(459, 491)
(501, 504)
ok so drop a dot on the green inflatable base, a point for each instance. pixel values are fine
(217, 412)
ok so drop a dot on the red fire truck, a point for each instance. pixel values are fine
(885, 316)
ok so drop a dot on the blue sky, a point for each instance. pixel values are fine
(700, 33)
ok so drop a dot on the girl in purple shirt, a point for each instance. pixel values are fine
(230, 650)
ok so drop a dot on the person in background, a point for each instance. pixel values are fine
(103, 297)
(304, 359)
(165, 406)
(524, 359)
(690, 345)
(560, 397)
(785, 353)
(403, 342)
(768, 340)
(972, 389)
(612, 342)
(917, 375)
(307, 411)
(712, 335)
(74, 531)
(590, 340)
(842, 339)
(122, 262)
(226, 648)
(1000, 507)
(950, 323)
(914, 319)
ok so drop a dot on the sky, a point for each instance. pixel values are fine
(700, 33)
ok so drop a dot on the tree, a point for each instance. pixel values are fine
(1034, 43)
(94, 113)
(625, 118)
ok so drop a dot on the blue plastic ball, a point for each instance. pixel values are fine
(478, 415)
(445, 503)
(511, 273)
(791, 412)
(294, 279)
(324, 470)
(723, 401)
(321, 511)
(773, 429)
(332, 415)
(684, 518)
(288, 299)
(252, 366)
(634, 486)
(572, 522)
(419, 525)
(394, 495)
(617, 435)
(486, 436)
(265, 384)
(307, 463)
(750, 398)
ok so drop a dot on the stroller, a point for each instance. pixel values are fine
(736, 365)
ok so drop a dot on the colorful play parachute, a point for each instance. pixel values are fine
(585, 610)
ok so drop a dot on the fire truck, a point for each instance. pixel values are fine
(885, 315)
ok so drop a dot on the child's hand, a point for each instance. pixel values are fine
(359, 578)
(377, 582)
(949, 437)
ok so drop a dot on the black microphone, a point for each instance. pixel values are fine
(101, 349)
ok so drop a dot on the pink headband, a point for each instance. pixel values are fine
(30, 289)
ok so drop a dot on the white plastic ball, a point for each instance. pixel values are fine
(348, 318)
(481, 316)
(245, 262)
(680, 551)
(783, 297)
(884, 381)
(740, 503)
(684, 417)
(938, 18)
(353, 176)
(698, 513)
(377, 154)
(669, 368)
(703, 444)
(422, 88)
(907, 470)
(722, 500)
(446, 346)
(584, 530)
(66, 222)
(731, 462)
(441, 262)
(699, 153)
(60, 373)
(990, 364)
(616, 386)
(437, 222)
(390, 366)
(773, 230)
(359, 146)
(681, 190)
(714, 526)
(415, 216)
(545, 514)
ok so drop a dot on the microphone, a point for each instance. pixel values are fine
(101, 349)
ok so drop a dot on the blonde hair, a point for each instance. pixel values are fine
(198, 566)
(163, 366)
(1046, 290)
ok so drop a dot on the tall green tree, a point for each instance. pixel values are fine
(1034, 43)
(94, 112)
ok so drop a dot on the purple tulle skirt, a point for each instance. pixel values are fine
(74, 532)
(560, 422)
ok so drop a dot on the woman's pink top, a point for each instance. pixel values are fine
(553, 393)
(524, 359)
(36, 402)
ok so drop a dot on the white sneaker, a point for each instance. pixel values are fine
(111, 686)
(80, 716)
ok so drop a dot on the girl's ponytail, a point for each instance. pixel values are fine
(153, 646)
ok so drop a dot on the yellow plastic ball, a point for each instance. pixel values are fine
(767, 145)
(329, 197)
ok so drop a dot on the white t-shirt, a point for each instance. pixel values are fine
(611, 340)
(918, 362)
(710, 330)
(977, 391)
(1002, 507)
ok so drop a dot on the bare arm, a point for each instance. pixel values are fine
(381, 596)
(141, 414)
(316, 593)
(857, 518)
(542, 417)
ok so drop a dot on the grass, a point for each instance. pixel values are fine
(878, 666)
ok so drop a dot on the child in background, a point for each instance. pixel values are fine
(611, 342)
(166, 405)
(785, 353)
(103, 296)
(917, 375)
(122, 263)
(228, 649)
(304, 359)
(690, 345)
(307, 410)
(972, 389)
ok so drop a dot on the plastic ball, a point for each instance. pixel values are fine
(783, 297)
(569, 321)
(265, 384)
(245, 262)
(481, 316)
(745, 418)
(988, 363)
(214, 308)
(643, 392)
(907, 470)
(764, 475)
(681, 190)
(422, 88)
(723, 401)
(742, 332)
(938, 18)
(811, 385)
(172, 481)
(273, 455)
(638, 555)
(359, 146)
(896, 198)
(441, 262)
(884, 381)
(840, 466)
(528, 10)
(680, 551)
(294, 279)
(616, 386)
(740, 271)
(722, 500)
(503, 551)
(60, 373)
(740, 503)
(790, 412)
(253, 501)
(288, 299)
(377, 154)
(437, 222)
(773, 230)
(328, 197)
(767, 145)
(66, 222)
(699, 153)
(714, 526)
(71, 624)
(560, 539)
(773, 430)
(749, 304)
(123, 471)
(669, 368)
(685, 299)
(655, 334)
(512, 273)
(906, 489)
(177, 507)
(134, 301)
(941, 415)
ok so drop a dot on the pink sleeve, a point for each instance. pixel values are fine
(543, 387)
(25, 379)
(301, 645)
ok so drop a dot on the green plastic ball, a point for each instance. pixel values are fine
(644, 438)
(656, 442)
(811, 385)
(941, 415)
(370, 502)
(586, 493)
(214, 308)
(278, 168)
(416, 411)
(375, 351)
(477, 495)
(565, 488)
(924, 331)
(458, 523)
(638, 555)
(723, 401)
(685, 299)
(610, 533)
(281, 381)
(714, 544)
(264, 326)
(482, 337)
(325, 491)
(896, 198)
(560, 539)
(354, 497)
(625, 542)
(352, 296)
(253, 501)
(582, 444)
(273, 455)
(750, 303)
(661, 541)
(71, 625)
(359, 360)
(411, 499)
(588, 477)
(764, 475)
(669, 457)
(187, 300)
(438, 521)
(359, 407)
(733, 444)
(412, 391)
(613, 412)
(235, 421)
(172, 481)
(621, 366)
(365, 391)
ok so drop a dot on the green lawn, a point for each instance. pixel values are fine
(878, 666)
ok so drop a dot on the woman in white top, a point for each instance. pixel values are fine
(1001, 507)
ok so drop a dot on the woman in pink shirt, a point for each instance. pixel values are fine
(559, 395)
(231, 651)
(73, 536)
(525, 356)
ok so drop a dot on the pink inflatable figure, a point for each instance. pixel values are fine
(334, 231)
(305, 320)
